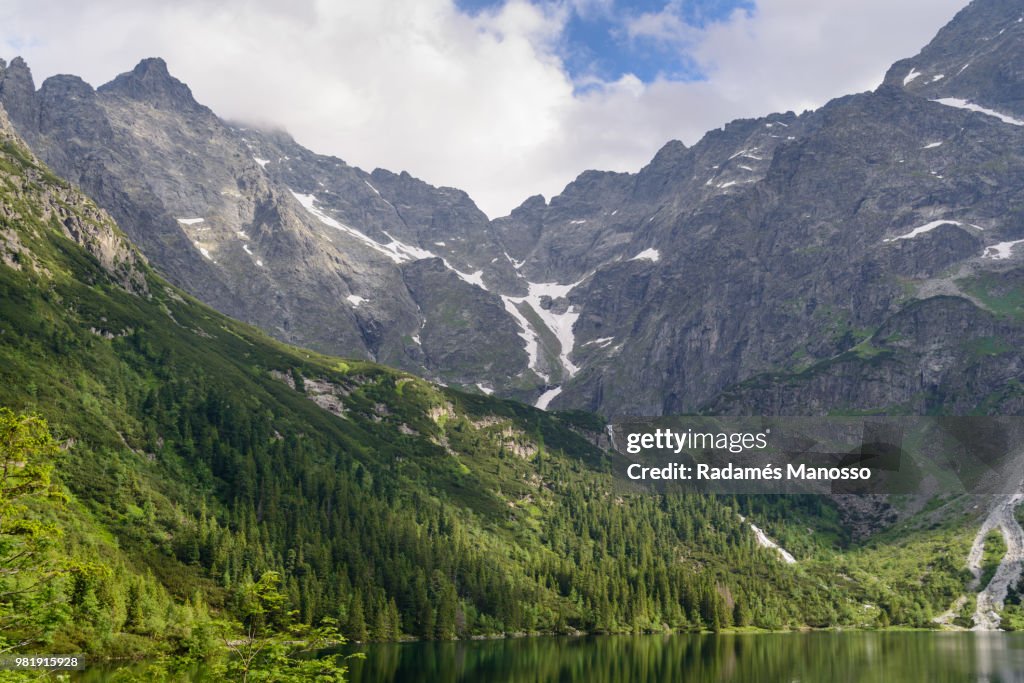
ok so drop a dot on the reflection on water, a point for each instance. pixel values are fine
(806, 657)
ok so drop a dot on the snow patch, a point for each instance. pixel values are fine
(914, 73)
(190, 221)
(203, 251)
(484, 388)
(247, 251)
(527, 334)
(559, 324)
(515, 264)
(396, 250)
(920, 230)
(355, 300)
(475, 278)
(938, 77)
(970, 106)
(603, 341)
(932, 145)
(406, 252)
(551, 289)
(648, 255)
(262, 162)
(1001, 251)
(580, 222)
(545, 399)
(748, 153)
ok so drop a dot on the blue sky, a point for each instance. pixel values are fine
(596, 41)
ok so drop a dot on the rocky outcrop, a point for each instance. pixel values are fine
(56, 204)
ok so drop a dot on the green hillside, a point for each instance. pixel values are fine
(198, 456)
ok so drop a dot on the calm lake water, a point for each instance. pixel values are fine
(824, 657)
(747, 658)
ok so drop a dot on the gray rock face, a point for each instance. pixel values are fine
(151, 83)
(454, 310)
(863, 256)
(785, 244)
(302, 245)
(57, 203)
(17, 91)
(978, 57)
(855, 219)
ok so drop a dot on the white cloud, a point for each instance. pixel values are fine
(666, 26)
(482, 103)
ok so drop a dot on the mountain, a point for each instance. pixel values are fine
(258, 227)
(978, 58)
(860, 257)
(200, 455)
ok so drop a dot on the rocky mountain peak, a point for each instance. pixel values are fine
(671, 163)
(531, 203)
(16, 91)
(977, 58)
(18, 68)
(68, 85)
(150, 81)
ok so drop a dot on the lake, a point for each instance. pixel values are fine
(853, 657)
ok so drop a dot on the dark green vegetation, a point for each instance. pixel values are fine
(1013, 612)
(212, 479)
